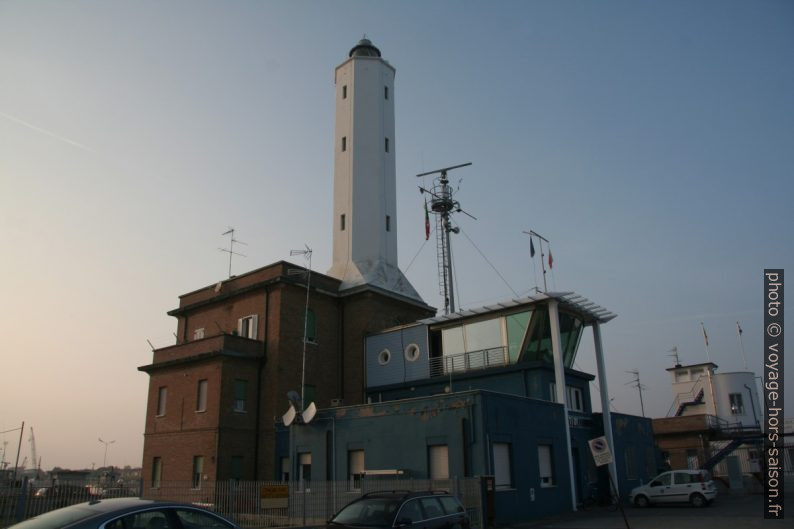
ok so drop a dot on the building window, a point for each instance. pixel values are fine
(575, 401)
(240, 390)
(412, 352)
(355, 468)
(157, 472)
(284, 470)
(236, 471)
(502, 470)
(386, 92)
(198, 334)
(344, 143)
(246, 327)
(342, 222)
(344, 91)
(201, 396)
(311, 326)
(387, 144)
(388, 223)
(438, 461)
(198, 470)
(162, 396)
(304, 471)
(545, 466)
(573, 397)
(737, 407)
(384, 357)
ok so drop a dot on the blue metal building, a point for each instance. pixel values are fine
(482, 392)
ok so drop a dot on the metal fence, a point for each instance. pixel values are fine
(27, 499)
(261, 504)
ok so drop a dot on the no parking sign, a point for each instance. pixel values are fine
(600, 450)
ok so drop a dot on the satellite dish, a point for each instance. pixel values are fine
(295, 398)
(309, 413)
(289, 416)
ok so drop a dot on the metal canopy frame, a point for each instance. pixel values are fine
(571, 301)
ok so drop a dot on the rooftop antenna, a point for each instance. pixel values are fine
(541, 240)
(637, 384)
(443, 206)
(230, 250)
(307, 254)
(674, 350)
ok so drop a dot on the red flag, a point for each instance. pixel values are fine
(551, 260)
(427, 222)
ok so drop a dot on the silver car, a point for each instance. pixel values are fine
(676, 486)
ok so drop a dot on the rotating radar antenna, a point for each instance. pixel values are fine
(443, 205)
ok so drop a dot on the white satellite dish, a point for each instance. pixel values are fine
(309, 413)
(289, 416)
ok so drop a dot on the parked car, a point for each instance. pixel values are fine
(676, 486)
(127, 513)
(429, 510)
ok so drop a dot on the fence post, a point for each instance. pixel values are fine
(22, 499)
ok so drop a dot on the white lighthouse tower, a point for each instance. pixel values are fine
(365, 204)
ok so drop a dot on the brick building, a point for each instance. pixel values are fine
(213, 396)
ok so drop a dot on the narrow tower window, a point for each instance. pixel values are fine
(388, 223)
(344, 143)
(386, 92)
(342, 222)
(344, 91)
(387, 144)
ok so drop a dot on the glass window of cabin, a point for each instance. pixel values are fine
(516, 330)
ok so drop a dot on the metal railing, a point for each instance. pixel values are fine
(250, 504)
(471, 361)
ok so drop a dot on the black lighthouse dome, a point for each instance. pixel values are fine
(364, 48)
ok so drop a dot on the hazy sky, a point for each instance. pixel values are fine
(651, 142)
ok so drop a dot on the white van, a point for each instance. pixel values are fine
(676, 486)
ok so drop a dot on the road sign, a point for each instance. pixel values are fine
(600, 450)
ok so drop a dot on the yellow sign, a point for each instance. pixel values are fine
(274, 491)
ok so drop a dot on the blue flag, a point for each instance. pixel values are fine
(531, 248)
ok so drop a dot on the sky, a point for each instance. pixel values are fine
(650, 142)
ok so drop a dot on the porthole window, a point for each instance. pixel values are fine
(412, 352)
(384, 357)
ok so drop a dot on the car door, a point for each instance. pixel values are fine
(659, 488)
(455, 511)
(684, 484)
(410, 515)
(435, 517)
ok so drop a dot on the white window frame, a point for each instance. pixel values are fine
(502, 466)
(546, 466)
(238, 405)
(304, 459)
(198, 334)
(198, 472)
(571, 393)
(201, 395)
(736, 403)
(355, 468)
(438, 461)
(162, 399)
(252, 326)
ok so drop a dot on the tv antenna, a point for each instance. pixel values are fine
(637, 384)
(674, 354)
(307, 254)
(443, 205)
(230, 249)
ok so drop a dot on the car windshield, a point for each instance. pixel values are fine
(58, 517)
(377, 512)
